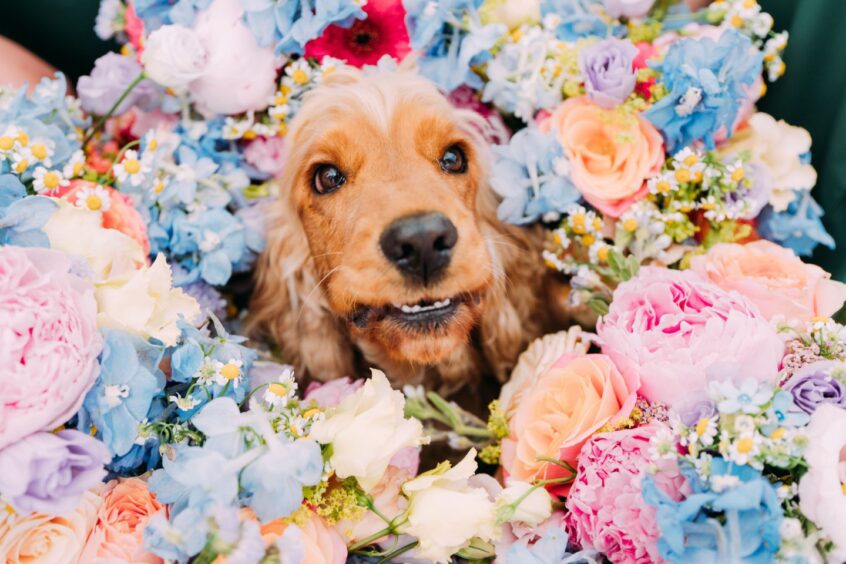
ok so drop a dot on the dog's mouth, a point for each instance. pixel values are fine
(423, 316)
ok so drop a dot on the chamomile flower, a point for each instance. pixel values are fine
(745, 448)
(228, 372)
(736, 171)
(662, 184)
(282, 391)
(41, 151)
(131, 169)
(184, 403)
(662, 445)
(44, 180)
(236, 128)
(93, 199)
(298, 72)
(744, 424)
(704, 432)
(598, 252)
(207, 372)
(9, 140)
(75, 165)
(21, 160)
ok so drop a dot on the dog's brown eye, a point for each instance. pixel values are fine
(453, 160)
(327, 179)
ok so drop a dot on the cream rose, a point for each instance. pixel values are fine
(46, 539)
(445, 512)
(611, 153)
(145, 304)
(773, 278)
(821, 489)
(174, 56)
(366, 430)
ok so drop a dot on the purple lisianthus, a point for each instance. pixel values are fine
(816, 384)
(697, 408)
(608, 71)
(627, 8)
(111, 76)
(49, 472)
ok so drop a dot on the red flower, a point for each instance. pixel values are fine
(383, 32)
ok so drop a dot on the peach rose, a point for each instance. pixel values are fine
(572, 400)
(47, 539)
(773, 278)
(120, 214)
(119, 531)
(313, 540)
(611, 153)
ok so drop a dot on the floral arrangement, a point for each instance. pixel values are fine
(703, 419)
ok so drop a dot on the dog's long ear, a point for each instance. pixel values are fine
(512, 317)
(288, 306)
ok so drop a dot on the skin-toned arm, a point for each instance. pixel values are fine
(17, 65)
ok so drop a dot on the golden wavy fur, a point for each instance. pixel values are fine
(323, 265)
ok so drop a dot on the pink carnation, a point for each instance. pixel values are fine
(48, 341)
(606, 511)
(669, 328)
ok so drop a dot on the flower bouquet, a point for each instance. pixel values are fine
(703, 419)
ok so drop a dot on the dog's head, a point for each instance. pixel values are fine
(386, 177)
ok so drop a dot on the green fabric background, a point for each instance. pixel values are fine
(812, 94)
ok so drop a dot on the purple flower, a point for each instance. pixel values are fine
(608, 71)
(627, 8)
(816, 384)
(111, 76)
(698, 407)
(49, 472)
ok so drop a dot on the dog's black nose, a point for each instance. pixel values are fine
(420, 245)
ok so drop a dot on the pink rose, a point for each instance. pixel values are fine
(669, 327)
(773, 278)
(611, 153)
(606, 511)
(120, 213)
(49, 341)
(239, 76)
(330, 394)
(312, 540)
(572, 400)
(266, 154)
(119, 532)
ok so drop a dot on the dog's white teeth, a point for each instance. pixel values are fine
(408, 309)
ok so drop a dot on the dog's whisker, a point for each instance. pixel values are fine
(313, 290)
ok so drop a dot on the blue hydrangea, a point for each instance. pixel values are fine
(290, 25)
(178, 538)
(123, 393)
(706, 81)
(799, 227)
(739, 523)
(530, 175)
(451, 39)
(576, 18)
(22, 217)
(156, 13)
(551, 548)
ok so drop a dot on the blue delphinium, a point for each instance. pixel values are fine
(576, 18)
(735, 517)
(551, 548)
(156, 13)
(290, 25)
(22, 216)
(706, 81)
(123, 393)
(451, 39)
(799, 227)
(530, 175)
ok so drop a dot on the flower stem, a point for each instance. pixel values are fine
(102, 119)
(401, 550)
(389, 530)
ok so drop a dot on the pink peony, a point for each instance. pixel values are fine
(669, 327)
(606, 511)
(48, 341)
(773, 278)
(120, 214)
(266, 154)
(381, 33)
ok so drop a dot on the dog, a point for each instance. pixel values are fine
(384, 248)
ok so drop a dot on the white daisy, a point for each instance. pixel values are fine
(281, 391)
(704, 432)
(94, 199)
(44, 180)
(131, 169)
(75, 165)
(207, 371)
(229, 372)
(42, 151)
(745, 448)
(184, 403)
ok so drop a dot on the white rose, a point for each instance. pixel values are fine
(240, 75)
(777, 146)
(174, 56)
(366, 430)
(446, 513)
(79, 232)
(145, 304)
(821, 496)
(533, 509)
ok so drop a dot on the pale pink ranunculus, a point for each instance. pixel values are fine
(611, 153)
(47, 539)
(267, 154)
(773, 278)
(313, 540)
(572, 400)
(118, 534)
(606, 511)
(49, 341)
(239, 76)
(671, 328)
(120, 215)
